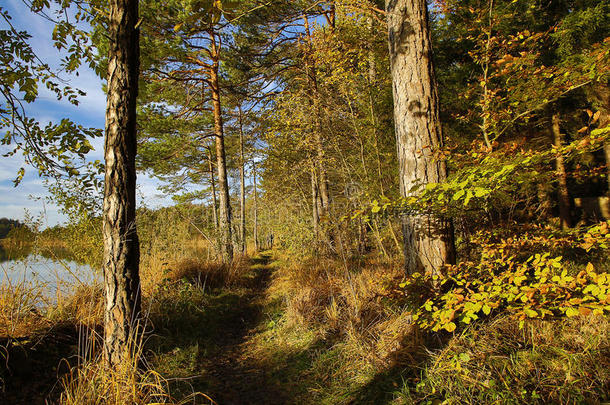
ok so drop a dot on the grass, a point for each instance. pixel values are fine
(320, 331)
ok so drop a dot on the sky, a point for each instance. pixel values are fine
(30, 194)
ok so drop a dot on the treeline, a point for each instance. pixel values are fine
(6, 225)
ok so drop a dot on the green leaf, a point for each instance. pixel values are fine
(450, 327)
(530, 313)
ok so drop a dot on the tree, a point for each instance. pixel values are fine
(121, 245)
(56, 150)
(428, 238)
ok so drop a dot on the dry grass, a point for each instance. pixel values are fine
(84, 306)
(94, 383)
(206, 274)
(350, 303)
(20, 305)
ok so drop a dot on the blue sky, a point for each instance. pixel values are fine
(90, 113)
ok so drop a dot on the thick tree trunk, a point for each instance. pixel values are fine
(213, 184)
(428, 239)
(255, 231)
(226, 244)
(563, 193)
(242, 188)
(121, 245)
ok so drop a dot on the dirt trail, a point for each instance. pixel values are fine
(234, 378)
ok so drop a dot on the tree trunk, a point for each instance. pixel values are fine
(226, 244)
(563, 193)
(314, 204)
(242, 187)
(600, 96)
(121, 245)
(317, 125)
(428, 239)
(255, 208)
(213, 184)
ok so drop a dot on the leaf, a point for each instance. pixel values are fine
(530, 313)
(450, 327)
(595, 117)
(584, 310)
(480, 192)
(458, 194)
(571, 312)
(464, 357)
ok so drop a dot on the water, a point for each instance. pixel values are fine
(53, 271)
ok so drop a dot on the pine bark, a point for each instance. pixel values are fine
(121, 245)
(428, 239)
(255, 232)
(226, 244)
(563, 192)
(242, 187)
(213, 184)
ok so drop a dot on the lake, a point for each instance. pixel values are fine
(54, 271)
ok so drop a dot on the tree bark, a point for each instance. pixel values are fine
(121, 245)
(600, 96)
(242, 187)
(226, 244)
(317, 124)
(428, 239)
(255, 231)
(563, 193)
(314, 204)
(213, 184)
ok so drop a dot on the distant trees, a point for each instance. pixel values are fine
(6, 225)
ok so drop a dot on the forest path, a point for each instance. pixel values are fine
(233, 376)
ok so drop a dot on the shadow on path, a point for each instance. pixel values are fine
(232, 378)
(212, 343)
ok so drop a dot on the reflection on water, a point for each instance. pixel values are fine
(54, 270)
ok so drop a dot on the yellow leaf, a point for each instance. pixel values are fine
(595, 117)
(450, 327)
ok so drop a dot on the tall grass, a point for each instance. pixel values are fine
(20, 303)
(132, 382)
